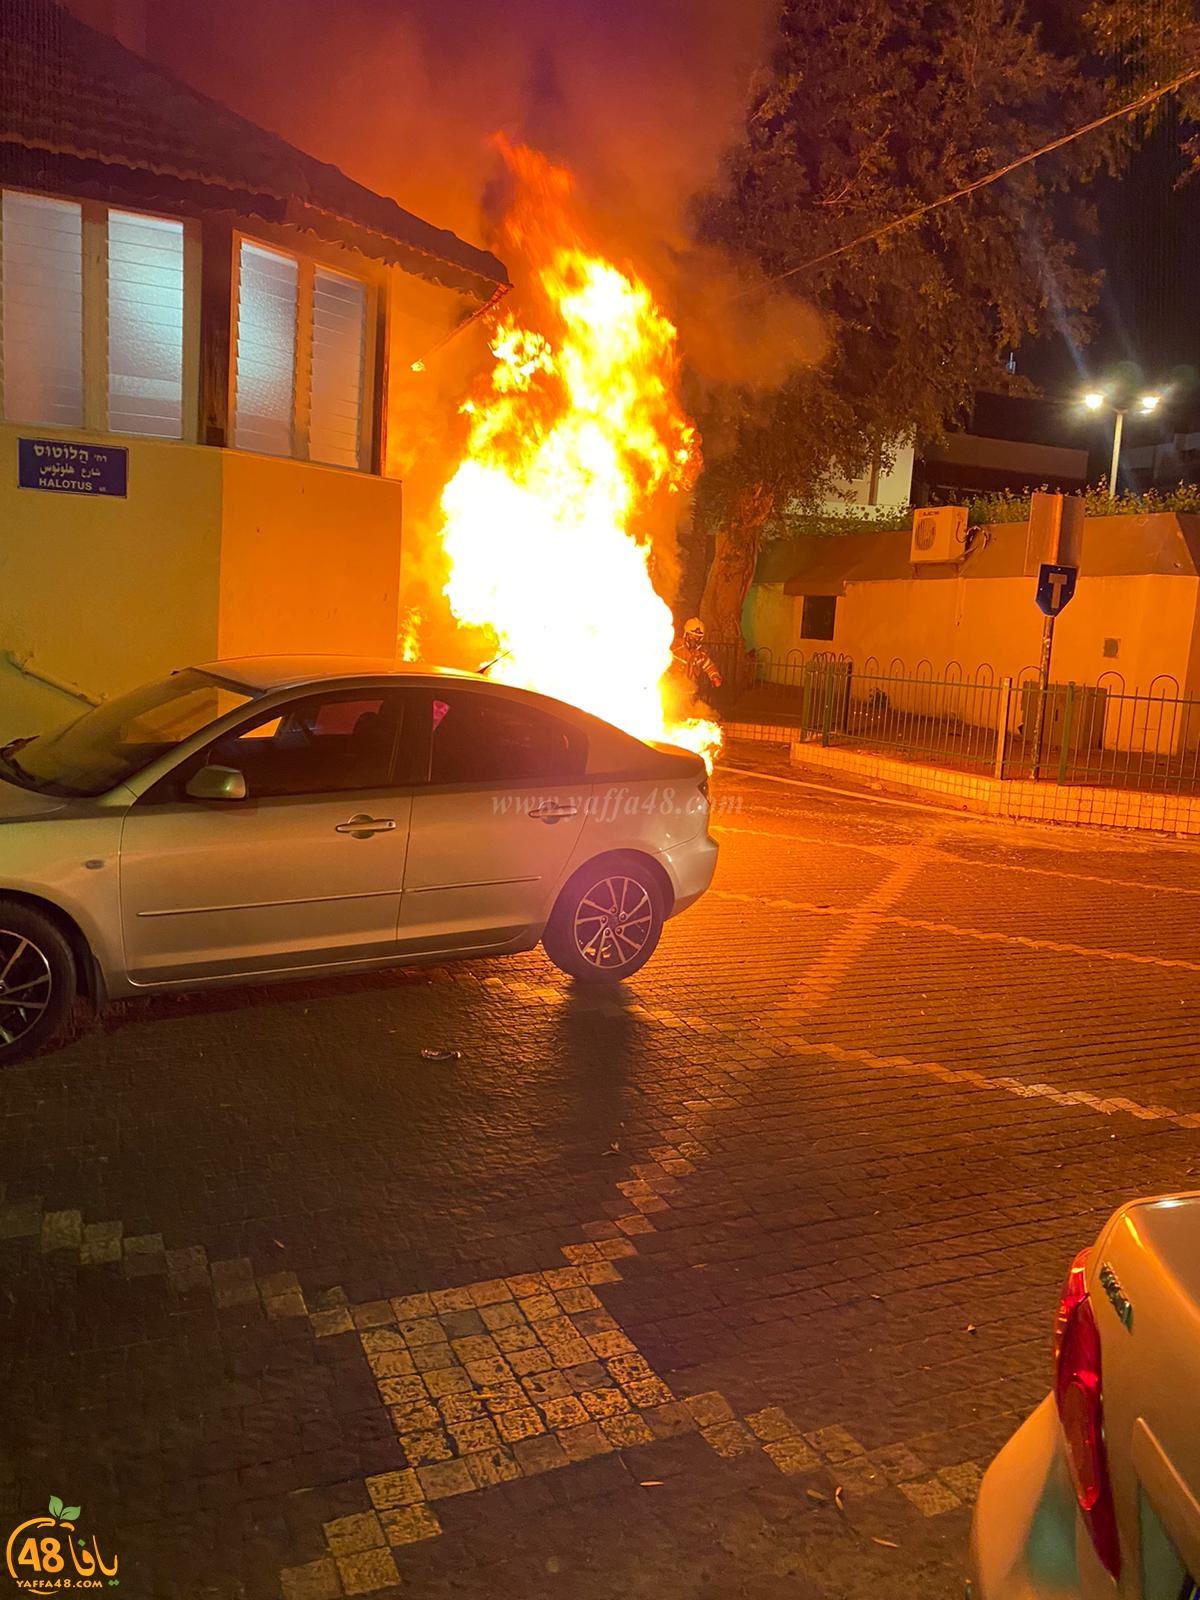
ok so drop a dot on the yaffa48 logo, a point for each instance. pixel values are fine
(46, 1554)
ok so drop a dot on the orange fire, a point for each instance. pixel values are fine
(576, 441)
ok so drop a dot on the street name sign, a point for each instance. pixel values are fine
(1056, 585)
(64, 467)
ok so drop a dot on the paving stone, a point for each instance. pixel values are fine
(771, 1423)
(455, 1408)
(346, 1535)
(626, 1431)
(898, 1463)
(580, 1444)
(383, 1341)
(835, 1444)
(233, 1282)
(930, 1496)
(669, 1421)
(729, 1439)
(425, 1446)
(542, 1453)
(446, 1381)
(277, 1284)
(101, 1242)
(442, 1479)
(318, 1580)
(187, 1269)
(567, 1412)
(22, 1220)
(442, 1301)
(709, 1409)
(405, 1392)
(604, 1402)
(521, 1423)
(286, 1305)
(412, 1307)
(479, 1434)
(399, 1364)
(391, 1489)
(491, 1466)
(963, 1480)
(410, 1524)
(368, 1572)
(375, 1314)
(526, 1362)
(326, 1323)
(791, 1455)
(61, 1230)
(433, 1357)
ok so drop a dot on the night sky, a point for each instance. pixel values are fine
(639, 95)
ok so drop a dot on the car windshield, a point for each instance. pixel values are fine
(109, 744)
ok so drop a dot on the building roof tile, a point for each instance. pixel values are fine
(73, 99)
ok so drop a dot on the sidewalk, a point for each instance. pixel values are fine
(1019, 799)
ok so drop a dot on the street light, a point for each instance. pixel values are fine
(1096, 400)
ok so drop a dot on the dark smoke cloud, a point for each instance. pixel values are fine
(638, 97)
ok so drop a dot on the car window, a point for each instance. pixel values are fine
(119, 738)
(322, 744)
(479, 738)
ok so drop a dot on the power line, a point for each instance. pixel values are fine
(1139, 104)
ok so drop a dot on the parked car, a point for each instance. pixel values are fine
(270, 818)
(1097, 1495)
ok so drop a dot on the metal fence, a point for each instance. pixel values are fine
(1102, 734)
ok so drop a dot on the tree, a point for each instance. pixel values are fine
(871, 109)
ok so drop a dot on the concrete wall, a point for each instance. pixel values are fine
(310, 559)
(994, 622)
(104, 592)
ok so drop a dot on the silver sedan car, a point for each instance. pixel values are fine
(277, 817)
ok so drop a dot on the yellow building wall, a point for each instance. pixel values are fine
(104, 592)
(990, 628)
(771, 620)
(975, 624)
(309, 559)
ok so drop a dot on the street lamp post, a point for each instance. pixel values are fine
(1095, 400)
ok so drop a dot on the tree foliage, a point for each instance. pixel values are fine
(871, 109)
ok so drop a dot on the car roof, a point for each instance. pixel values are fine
(261, 674)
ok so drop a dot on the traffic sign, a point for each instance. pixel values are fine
(1055, 587)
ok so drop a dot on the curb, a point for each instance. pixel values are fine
(1018, 800)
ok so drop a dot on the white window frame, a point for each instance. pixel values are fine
(307, 266)
(94, 219)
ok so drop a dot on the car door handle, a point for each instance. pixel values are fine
(362, 827)
(551, 811)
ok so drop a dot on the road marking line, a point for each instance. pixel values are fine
(984, 935)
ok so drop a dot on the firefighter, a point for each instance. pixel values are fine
(692, 658)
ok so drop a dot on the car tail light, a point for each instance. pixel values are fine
(1078, 1394)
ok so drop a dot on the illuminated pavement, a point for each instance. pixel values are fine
(725, 1287)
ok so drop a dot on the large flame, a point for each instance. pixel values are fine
(576, 441)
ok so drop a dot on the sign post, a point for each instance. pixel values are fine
(1056, 586)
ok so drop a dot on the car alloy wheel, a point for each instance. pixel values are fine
(613, 922)
(26, 986)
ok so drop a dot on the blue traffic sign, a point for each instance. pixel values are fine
(1055, 587)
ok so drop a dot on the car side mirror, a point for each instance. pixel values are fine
(217, 783)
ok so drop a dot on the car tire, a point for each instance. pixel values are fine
(606, 923)
(38, 981)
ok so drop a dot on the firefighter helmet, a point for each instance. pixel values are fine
(693, 628)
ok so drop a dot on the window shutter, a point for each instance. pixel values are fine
(145, 325)
(268, 296)
(339, 326)
(41, 298)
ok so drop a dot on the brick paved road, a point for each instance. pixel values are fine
(724, 1287)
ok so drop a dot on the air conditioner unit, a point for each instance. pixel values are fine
(938, 533)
